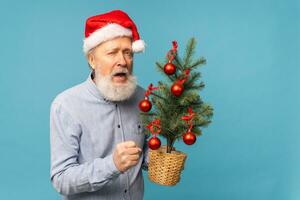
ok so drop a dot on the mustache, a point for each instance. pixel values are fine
(120, 71)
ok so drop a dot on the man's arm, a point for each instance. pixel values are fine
(67, 175)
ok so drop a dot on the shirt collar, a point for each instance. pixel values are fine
(91, 86)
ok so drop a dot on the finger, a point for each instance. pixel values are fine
(129, 144)
(134, 162)
(133, 158)
(133, 150)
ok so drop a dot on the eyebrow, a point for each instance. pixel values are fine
(117, 49)
(114, 49)
(127, 49)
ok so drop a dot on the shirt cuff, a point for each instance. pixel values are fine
(110, 166)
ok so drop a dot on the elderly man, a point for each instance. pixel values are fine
(97, 145)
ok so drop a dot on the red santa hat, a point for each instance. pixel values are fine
(104, 27)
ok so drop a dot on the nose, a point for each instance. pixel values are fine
(121, 60)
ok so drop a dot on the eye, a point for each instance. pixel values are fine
(112, 52)
(128, 53)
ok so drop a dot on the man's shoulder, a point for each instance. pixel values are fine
(140, 89)
(140, 92)
(69, 95)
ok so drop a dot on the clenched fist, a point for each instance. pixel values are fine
(126, 155)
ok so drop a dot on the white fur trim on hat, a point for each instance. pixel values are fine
(138, 46)
(106, 33)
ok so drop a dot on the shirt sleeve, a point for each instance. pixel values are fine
(67, 175)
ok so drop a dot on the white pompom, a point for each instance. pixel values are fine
(138, 46)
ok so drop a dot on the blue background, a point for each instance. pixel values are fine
(250, 151)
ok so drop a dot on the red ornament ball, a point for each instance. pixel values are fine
(177, 89)
(170, 68)
(154, 143)
(189, 138)
(145, 105)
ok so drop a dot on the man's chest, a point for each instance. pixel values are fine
(106, 126)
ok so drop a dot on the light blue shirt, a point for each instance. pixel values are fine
(84, 131)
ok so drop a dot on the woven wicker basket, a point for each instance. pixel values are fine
(165, 168)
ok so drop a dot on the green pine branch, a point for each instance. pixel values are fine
(178, 62)
(189, 52)
(201, 61)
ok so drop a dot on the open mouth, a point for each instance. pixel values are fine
(121, 74)
(120, 77)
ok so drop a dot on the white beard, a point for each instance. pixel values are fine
(115, 92)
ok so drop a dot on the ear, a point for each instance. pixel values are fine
(91, 60)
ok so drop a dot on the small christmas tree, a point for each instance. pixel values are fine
(178, 111)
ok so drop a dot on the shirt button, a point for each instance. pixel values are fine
(125, 190)
(119, 126)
